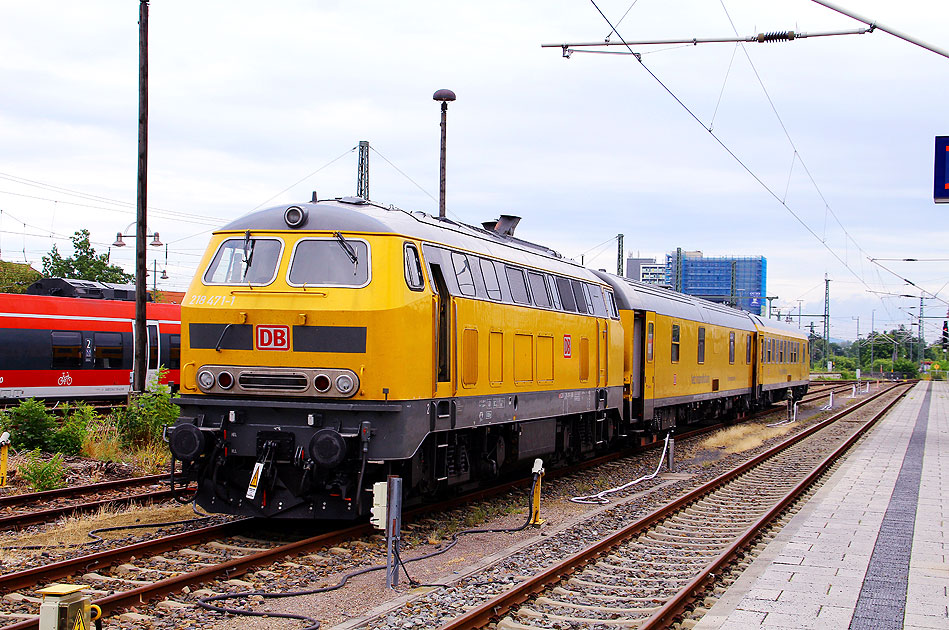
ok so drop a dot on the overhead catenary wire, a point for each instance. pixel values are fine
(731, 153)
(774, 36)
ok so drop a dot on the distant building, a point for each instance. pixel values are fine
(741, 281)
(646, 270)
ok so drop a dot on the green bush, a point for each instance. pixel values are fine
(41, 475)
(143, 421)
(29, 424)
(71, 435)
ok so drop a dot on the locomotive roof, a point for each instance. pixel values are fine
(356, 215)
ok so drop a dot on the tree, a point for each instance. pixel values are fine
(84, 264)
(16, 277)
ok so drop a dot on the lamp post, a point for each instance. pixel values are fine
(445, 97)
(141, 333)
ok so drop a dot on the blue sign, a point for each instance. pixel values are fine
(941, 185)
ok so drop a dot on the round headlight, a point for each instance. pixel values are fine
(205, 379)
(294, 216)
(322, 383)
(225, 380)
(344, 383)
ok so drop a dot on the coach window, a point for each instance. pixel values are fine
(614, 313)
(566, 295)
(731, 347)
(554, 294)
(748, 349)
(596, 297)
(581, 299)
(650, 336)
(515, 278)
(152, 347)
(491, 279)
(538, 289)
(174, 355)
(413, 268)
(675, 343)
(701, 345)
(770, 350)
(67, 350)
(109, 350)
(463, 272)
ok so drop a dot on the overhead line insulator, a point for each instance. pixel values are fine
(777, 36)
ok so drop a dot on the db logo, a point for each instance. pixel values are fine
(65, 379)
(567, 351)
(273, 337)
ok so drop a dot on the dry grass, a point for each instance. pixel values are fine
(743, 437)
(152, 458)
(75, 530)
(103, 442)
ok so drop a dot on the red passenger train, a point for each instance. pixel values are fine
(80, 347)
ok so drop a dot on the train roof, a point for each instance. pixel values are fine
(356, 215)
(776, 326)
(639, 296)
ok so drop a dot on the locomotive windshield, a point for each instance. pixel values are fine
(245, 261)
(337, 262)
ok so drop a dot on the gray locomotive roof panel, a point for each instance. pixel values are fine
(632, 295)
(353, 215)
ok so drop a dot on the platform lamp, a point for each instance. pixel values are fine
(139, 362)
(445, 97)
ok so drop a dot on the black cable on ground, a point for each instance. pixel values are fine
(95, 538)
(205, 602)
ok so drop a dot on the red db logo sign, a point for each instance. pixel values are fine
(567, 351)
(273, 337)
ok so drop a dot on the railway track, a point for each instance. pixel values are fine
(167, 564)
(19, 510)
(647, 573)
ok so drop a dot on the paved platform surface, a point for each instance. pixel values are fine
(870, 550)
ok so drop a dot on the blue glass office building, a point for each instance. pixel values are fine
(714, 278)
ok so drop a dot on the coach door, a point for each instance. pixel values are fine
(152, 352)
(649, 366)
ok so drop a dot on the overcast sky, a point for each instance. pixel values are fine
(251, 103)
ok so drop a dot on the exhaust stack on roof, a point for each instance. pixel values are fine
(504, 225)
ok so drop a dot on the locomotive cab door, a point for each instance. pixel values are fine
(602, 352)
(442, 329)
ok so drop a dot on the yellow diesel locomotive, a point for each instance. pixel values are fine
(325, 345)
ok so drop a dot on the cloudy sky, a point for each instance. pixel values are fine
(820, 154)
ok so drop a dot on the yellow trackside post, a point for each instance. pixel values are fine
(4, 451)
(538, 472)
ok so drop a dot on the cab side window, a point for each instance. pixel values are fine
(413, 268)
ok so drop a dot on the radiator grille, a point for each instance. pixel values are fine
(277, 382)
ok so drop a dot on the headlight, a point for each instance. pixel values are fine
(205, 379)
(344, 383)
